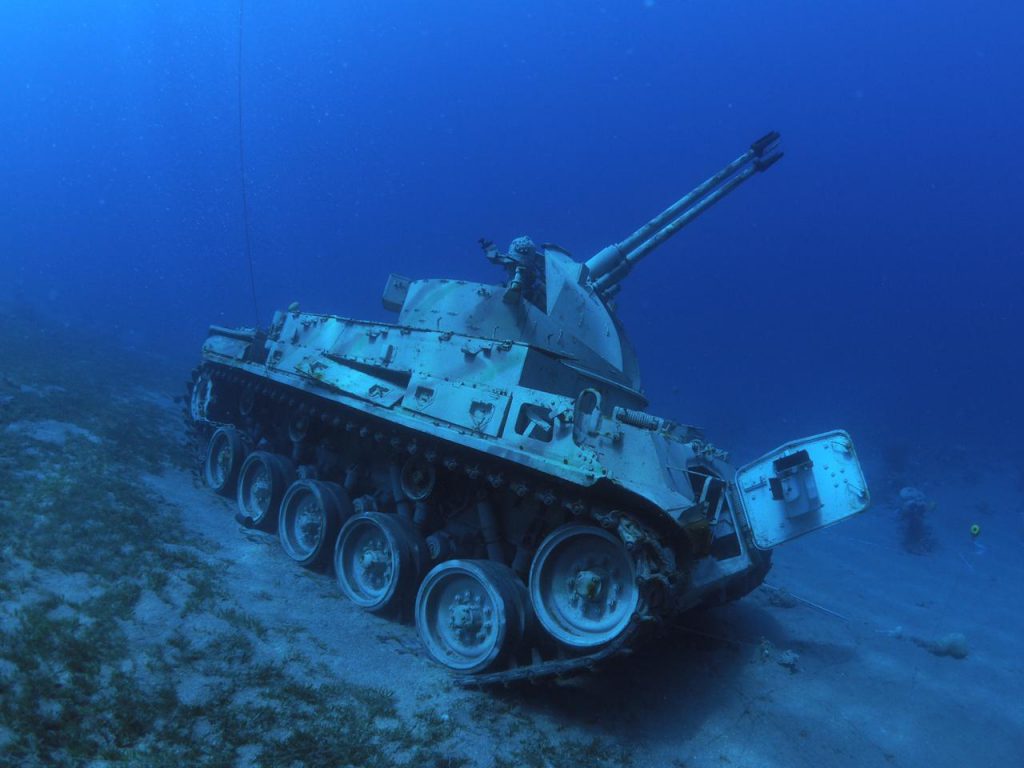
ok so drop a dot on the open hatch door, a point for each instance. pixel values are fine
(803, 486)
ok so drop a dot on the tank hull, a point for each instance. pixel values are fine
(351, 404)
(486, 466)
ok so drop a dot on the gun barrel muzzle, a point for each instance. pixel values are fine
(612, 263)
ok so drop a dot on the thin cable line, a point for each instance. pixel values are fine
(241, 166)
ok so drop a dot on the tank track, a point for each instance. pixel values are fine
(555, 668)
(656, 569)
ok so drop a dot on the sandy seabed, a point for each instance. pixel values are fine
(141, 625)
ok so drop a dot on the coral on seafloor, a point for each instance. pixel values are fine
(786, 659)
(953, 645)
(913, 510)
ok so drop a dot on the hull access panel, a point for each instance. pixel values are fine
(802, 486)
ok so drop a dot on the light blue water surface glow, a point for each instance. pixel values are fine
(872, 279)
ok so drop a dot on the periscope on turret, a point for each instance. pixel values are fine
(486, 466)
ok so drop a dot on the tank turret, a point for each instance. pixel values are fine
(486, 465)
(550, 301)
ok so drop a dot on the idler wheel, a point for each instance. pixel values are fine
(583, 585)
(262, 482)
(418, 478)
(247, 401)
(201, 398)
(379, 561)
(224, 457)
(472, 614)
(312, 512)
(298, 427)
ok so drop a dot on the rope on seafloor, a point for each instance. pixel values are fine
(722, 638)
(241, 164)
(713, 636)
(807, 602)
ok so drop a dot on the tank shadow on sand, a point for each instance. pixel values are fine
(715, 690)
(670, 685)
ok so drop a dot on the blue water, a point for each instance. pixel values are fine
(870, 280)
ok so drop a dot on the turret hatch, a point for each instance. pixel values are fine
(803, 486)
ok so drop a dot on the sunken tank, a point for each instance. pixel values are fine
(486, 466)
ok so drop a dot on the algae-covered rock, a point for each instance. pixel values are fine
(953, 645)
(913, 511)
